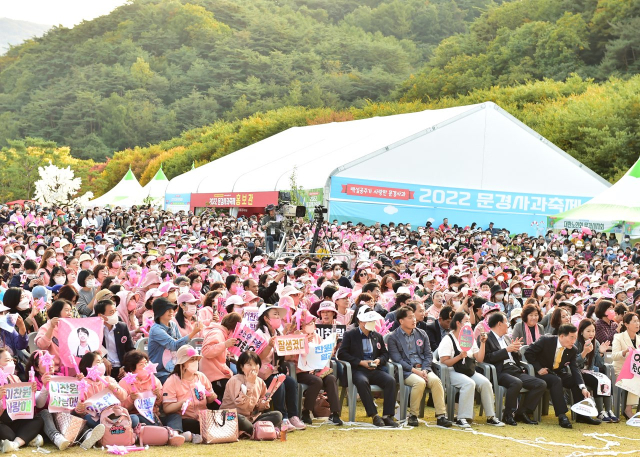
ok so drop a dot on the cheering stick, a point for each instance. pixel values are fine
(143, 275)
(83, 388)
(47, 361)
(185, 405)
(4, 379)
(32, 375)
(130, 378)
(92, 373)
(151, 369)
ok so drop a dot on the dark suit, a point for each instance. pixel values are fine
(123, 343)
(352, 352)
(434, 332)
(512, 377)
(541, 354)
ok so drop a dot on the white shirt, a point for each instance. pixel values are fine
(446, 347)
(110, 341)
(503, 345)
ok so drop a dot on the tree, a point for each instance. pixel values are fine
(59, 187)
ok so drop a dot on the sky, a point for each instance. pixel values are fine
(56, 12)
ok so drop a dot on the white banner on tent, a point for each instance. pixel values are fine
(596, 226)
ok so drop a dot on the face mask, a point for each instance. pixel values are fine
(184, 290)
(371, 326)
(51, 261)
(275, 322)
(499, 297)
(40, 252)
(191, 367)
(197, 286)
(116, 264)
(24, 304)
(585, 284)
(101, 369)
(60, 280)
(500, 278)
(90, 283)
(491, 268)
(113, 319)
(309, 329)
(517, 290)
(131, 305)
(540, 292)
(611, 314)
(190, 311)
(237, 310)
(546, 278)
(454, 288)
(9, 368)
(329, 274)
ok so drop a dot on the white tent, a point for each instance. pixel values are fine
(152, 193)
(465, 154)
(120, 193)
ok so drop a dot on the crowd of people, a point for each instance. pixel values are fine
(545, 311)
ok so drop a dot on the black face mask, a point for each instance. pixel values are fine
(312, 269)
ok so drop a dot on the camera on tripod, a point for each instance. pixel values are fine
(287, 210)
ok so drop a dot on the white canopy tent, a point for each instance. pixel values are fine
(120, 194)
(152, 193)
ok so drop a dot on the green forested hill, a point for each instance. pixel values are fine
(154, 68)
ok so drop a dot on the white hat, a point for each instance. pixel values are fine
(403, 290)
(289, 290)
(264, 307)
(234, 300)
(366, 315)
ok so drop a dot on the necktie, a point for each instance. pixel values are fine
(556, 362)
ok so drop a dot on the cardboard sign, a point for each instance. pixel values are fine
(250, 317)
(466, 338)
(526, 293)
(77, 337)
(145, 405)
(324, 330)
(248, 340)
(604, 383)
(99, 402)
(319, 355)
(63, 394)
(291, 345)
(627, 379)
(20, 400)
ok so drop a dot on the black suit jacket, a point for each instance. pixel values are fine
(433, 331)
(123, 340)
(351, 349)
(542, 353)
(495, 355)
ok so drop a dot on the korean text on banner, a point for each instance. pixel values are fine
(291, 345)
(63, 394)
(20, 400)
(319, 354)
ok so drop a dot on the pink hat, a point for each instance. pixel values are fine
(249, 296)
(343, 292)
(187, 298)
(489, 307)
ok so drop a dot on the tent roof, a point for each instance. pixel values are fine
(155, 189)
(460, 140)
(119, 194)
(620, 202)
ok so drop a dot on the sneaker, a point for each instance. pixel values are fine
(93, 436)
(306, 417)
(37, 441)
(412, 421)
(176, 439)
(187, 437)
(462, 423)
(8, 446)
(442, 421)
(495, 422)
(604, 416)
(613, 418)
(61, 442)
(288, 426)
(196, 439)
(297, 423)
(335, 418)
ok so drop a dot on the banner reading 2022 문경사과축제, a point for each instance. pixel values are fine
(366, 201)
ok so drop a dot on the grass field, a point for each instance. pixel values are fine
(328, 440)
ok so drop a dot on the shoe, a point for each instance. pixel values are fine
(613, 418)
(306, 417)
(524, 418)
(335, 418)
(588, 420)
(377, 421)
(176, 439)
(604, 416)
(390, 421)
(187, 436)
(564, 421)
(37, 441)
(509, 420)
(442, 421)
(61, 442)
(93, 436)
(8, 446)
(462, 423)
(495, 422)
(288, 426)
(196, 439)
(297, 423)
(624, 413)
(412, 421)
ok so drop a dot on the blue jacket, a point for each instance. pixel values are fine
(162, 338)
(399, 351)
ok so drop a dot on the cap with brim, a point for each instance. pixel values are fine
(366, 315)
(84, 257)
(160, 306)
(187, 298)
(186, 353)
(266, 307)
(3, 308)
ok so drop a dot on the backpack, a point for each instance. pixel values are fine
(117, 424)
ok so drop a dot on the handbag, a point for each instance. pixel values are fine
(322, 407)
(69, 425)
(467, 368)
(264, 431)
(153, 435)
(219, 426)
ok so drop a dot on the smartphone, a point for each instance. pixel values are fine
(372, 364)
(469, 293)
(42, 274)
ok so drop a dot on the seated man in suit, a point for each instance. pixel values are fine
(409, 346)
(116, 338)
(504, 354)
(364, 349)
(436, 330)
(551, 356)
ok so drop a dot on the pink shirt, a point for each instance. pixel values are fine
(176, 390)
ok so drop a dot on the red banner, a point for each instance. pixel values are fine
(377, 192)
(232, 199)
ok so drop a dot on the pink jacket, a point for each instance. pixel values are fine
(47, 344)
(214, 353)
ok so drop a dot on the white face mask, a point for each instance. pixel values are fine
(113, 319)
(9, 368)
(546, 278)
(371, 326)
(60, 280)
(540, 292)
(24, 304)
(517, 290)
(90, 283)
(184, 290)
